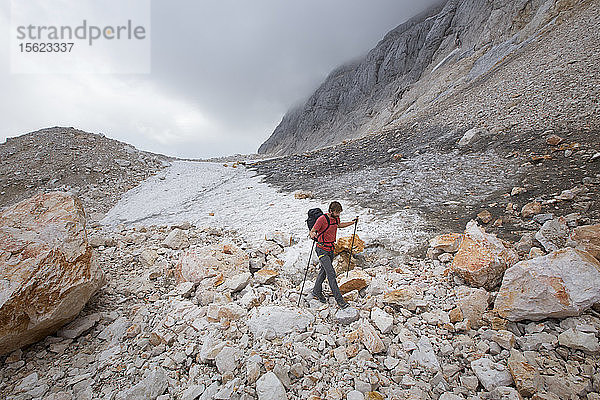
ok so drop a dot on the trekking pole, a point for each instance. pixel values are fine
(351, 246)
(306, 272)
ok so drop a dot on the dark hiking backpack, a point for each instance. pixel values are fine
(313, 216)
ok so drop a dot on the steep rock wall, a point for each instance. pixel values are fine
(366, 95)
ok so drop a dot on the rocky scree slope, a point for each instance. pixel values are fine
(98, 169)
(449, 184)
(435, 57)
(416, 333)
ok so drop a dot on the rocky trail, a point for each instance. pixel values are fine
(203, 264)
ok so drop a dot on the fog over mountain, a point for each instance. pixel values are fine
(223, 73)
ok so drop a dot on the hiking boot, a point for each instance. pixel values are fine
(320, 297)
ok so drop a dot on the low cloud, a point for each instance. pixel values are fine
(223, 74)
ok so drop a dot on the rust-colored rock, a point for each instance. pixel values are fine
(526, 376)
(485, 216)
(448, 242)
(266, 276)
(455, 315)
(48, 270)
(371, 339)
(357, 279)
(587, 238)
(304, 195)
(482, 258)
(554, 140)
(197, 264)
(344, 243)
(531, 209)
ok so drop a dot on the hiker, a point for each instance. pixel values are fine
(324, 232)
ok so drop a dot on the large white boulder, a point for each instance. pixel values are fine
(482, 258)
(269, 387)
(48, 270)
(562, 284)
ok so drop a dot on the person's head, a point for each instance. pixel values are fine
(335, 208)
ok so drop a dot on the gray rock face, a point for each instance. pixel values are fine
(367, 94)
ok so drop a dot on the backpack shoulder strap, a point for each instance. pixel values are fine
(325, 230)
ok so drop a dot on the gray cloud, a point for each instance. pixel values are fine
(223, 73)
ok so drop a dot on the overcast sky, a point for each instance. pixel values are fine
(223, 73)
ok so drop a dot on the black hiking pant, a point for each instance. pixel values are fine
(325, 260)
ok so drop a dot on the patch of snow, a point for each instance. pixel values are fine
(192, 191)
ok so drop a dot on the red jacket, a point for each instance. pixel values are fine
(326, 236)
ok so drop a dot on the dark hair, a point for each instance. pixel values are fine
(335, 207)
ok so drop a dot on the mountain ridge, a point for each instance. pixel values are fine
(431, 57)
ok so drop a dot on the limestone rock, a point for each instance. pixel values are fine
(355, 395)
(177, 239)
(469, 136)
(482, 258)
(371, 339)
(535, 341)
(406, 297)
(491, 374)
(382, 320)
(524, 245)
(151, 387)
(553, 234)
(238, 282)
(48, 269)
(79, 326)
(346, 316)
(148, 257)
(356, 279)
(504, 338)
(184, 289)
(587, 238)
(562, 284)
(526, 376)
(577, 340)
(344, 243)
(269, 387)
(227, 359)
(425, 356)
(197, 264)
(448, 243)
(450, 396)
(505, 393)
(116, 330)
(473, 303)
(277, 321)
